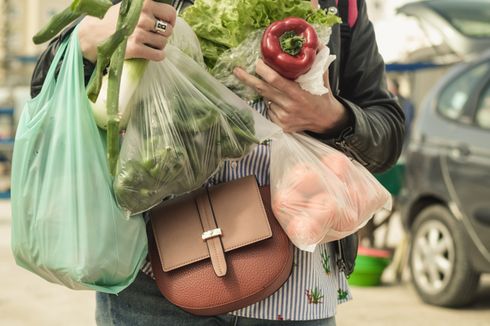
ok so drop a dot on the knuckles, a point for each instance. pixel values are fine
(145, 22)
(160, 10)
(275, 79)
(159, 55)
(131, 49)
(138, 36)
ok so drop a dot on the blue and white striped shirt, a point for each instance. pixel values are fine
(315, 285)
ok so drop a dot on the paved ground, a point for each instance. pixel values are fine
(26, 299)
(398, 305)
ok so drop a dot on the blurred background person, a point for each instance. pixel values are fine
(407, 106)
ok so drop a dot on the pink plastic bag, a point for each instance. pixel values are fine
(318, 193)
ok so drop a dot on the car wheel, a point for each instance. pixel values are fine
(441, 272)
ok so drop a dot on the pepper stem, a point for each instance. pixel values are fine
(291, 43)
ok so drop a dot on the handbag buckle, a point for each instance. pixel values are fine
(211, 234)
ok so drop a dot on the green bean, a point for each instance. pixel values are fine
(245, 135)
(233, 150)
(197, 123)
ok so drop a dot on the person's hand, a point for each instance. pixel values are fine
(143, 43)
(293, 108)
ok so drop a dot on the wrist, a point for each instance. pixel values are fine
(336, 118)
(88, 44)
(94, 31)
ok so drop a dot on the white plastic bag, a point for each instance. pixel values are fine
(319, 194)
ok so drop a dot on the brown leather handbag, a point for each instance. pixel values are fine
(219, 249)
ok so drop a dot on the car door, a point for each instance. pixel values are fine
(465, 165)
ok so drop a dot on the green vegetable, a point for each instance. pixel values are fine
(96, 8)
(111, 52)
(128, 18)
(139, 183)
(182, 141)
(201, 136)
(184, 38)
(133, 70)
(224, 24)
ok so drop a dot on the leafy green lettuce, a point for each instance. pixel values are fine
(224, 24)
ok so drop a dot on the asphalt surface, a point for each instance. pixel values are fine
(26, 299)
(398, 305)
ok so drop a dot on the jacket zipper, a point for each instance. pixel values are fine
(340, 260)
(341, 142)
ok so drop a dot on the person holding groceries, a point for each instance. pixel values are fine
(357, 116)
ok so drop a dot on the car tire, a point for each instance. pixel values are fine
(441, 272)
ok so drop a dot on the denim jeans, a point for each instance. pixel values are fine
(142, 304)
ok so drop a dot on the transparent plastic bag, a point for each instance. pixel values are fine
(245, 55)
(319, 194)
(184, 125)
(184, 38)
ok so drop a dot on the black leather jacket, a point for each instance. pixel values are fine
(357, 77)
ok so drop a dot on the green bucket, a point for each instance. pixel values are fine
(368, 270)
(392, 179)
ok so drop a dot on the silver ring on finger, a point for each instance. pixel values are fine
(268, 104)
(161, 26)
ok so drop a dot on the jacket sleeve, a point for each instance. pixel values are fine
(45, 59)
(375, 137)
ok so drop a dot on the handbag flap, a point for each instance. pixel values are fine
(238, 211)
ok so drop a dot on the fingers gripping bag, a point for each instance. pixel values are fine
(183, 37)
(184, 125)
(66, 224)
(318, 193)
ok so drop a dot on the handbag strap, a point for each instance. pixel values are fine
(211, 234)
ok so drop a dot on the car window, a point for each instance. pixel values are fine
(454, 97)
(471, 18)
(483, 109)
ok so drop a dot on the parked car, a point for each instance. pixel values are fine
(445, 203)
(454, 30)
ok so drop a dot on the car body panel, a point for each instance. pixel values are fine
(445, 17)
(448, 161)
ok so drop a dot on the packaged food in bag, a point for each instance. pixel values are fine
(184, 124)
(184, 38)
(318, 193)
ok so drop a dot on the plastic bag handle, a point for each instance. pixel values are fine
(50, 76)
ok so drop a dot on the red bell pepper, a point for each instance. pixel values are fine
(289, 46)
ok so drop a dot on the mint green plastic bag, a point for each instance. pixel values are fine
(66, 225)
